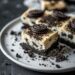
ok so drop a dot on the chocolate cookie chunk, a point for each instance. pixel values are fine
(60, 15)
(25, 25)
(72, 26)
(39, 28)
(51, 21)
(35, 13)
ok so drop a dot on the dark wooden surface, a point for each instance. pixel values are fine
(10, 9)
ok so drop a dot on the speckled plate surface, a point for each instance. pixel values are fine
(11, 49)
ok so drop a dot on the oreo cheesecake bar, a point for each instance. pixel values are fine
(53, 5)
(31, 15)
(67, 33)
(55, 20)
(39, 37)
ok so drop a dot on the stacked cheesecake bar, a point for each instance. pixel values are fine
(43, 28)
(68, 33)
(31, 15)
(53, 5)
(38, 36)
(54, 19)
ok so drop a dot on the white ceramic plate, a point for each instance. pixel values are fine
(6, 41)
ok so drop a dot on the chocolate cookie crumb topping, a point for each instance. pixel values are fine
(63, 34)
(25, 26)
(35, 13)
(51, 21)
(60, 15)
(72, 26)
(70, 36)
(39, 28)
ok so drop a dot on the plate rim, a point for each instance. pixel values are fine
(22, 64)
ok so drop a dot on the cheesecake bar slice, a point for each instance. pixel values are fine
(55, 20)
(53, 5)
(68, 33)
(39, 37)
(31, 15)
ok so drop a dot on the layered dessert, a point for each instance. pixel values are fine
(39, 37)
(55, 20)
(43, 28)
(67, 33)
(53, 5)
(31, 15)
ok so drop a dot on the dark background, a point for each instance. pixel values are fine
(10, 9)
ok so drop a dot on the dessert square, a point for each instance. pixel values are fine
(53, 5)
(68, 33)
(39, 37)
(31, 15)
(55, 20)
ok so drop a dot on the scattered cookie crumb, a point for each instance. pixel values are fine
(12, 50)
(13, 32)
(13, 44)
(58, 66)
(18, 56)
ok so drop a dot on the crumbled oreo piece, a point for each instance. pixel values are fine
(44, 58)
(37, 37)
(60, 57)
(60, 15)
(25, 25)
(27, 49)
(35, 44)
(33, 59)
(35, 13)
(13, 44)
(24, 46)
(40, 64)
(63, 34)
(18, 56)
(53, 53)
(30, 53)
(19, 33)
(39, 28)
(44, 65)
(58, 66)
(28, 61)
(13, 33)
(51, 21)
(72, 26)
(52, 63)
(16, 39)
(12, 50)
(70, 36)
